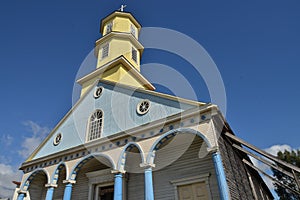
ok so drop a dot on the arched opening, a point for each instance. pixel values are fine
(58, 177)
(131, 158)
(93, 178)
(95, 125)
(35, 184)
(183, 167)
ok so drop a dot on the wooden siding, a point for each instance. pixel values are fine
(59, 190)
(236, 174)
(81, 188)
(37, 190)
(188, 165)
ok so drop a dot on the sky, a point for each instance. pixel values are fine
(255, 46)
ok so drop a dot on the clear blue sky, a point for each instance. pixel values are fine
(256, 46)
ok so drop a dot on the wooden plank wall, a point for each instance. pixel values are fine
(188, 165)
(236, 174)
(37, 190)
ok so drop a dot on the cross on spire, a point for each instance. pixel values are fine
(122, 8)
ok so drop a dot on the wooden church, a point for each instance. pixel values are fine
(123, 140)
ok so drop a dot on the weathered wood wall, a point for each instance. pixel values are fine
(236, 175)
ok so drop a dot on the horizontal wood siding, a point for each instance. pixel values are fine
(188, 165)
(135, 186)
(81, 188)
(59, 191)
(37, 190)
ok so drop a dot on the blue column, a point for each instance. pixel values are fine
(49, 194)
(68, 191)
(149, 195)
(21, 196)
(221, 178)
(118, 187)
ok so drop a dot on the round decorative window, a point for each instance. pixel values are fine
(98, 92)
(143, 107)
(57, 139)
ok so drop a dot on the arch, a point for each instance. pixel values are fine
(122, 159)
(28, 180)
(73, 174)
(95, 125)
(170, 134)
(55, 174)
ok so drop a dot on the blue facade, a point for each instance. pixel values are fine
(119, 109)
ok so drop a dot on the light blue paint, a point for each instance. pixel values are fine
(32, 175)
(21, 196)
(49, 194)
(119, 110)
(68, 191)
(118, 187)
(221, 178)
(123, 154)
(149, 195)
(57, 170)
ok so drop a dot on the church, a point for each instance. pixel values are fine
(124, 140)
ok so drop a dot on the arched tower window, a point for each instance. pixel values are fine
(95, 125)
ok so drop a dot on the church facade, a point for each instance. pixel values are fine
(123, 140)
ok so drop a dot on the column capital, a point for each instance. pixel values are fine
(69, 181)
(50, 185)
(114, 171)
(147, 165)
(214, 149)
(22, 192)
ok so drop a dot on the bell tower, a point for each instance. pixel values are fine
(118, 53)
(120, 32)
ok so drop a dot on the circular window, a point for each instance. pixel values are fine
(57, 139)
(143, 107)
(98, 92)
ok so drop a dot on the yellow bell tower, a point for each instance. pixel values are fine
(118, 53)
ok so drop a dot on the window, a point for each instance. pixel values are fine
(105, 50)
(57, 139)
(98, 92)
(134, 54)
(109, 27)
(132, 30)
(143, 107)
(196, 187)
(95, 125)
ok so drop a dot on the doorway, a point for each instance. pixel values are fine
(104, 192)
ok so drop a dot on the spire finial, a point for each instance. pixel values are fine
(122, 8)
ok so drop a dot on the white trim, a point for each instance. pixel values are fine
(87, 136)
(96, 95)
(140, 112)
(101, 178)
(55, 142)
(190, 180)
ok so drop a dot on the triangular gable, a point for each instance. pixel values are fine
(118, 70)
(118, 103)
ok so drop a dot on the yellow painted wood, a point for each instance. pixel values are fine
(122, 39)
(121, 23)
(118, 74)
(117, 48)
